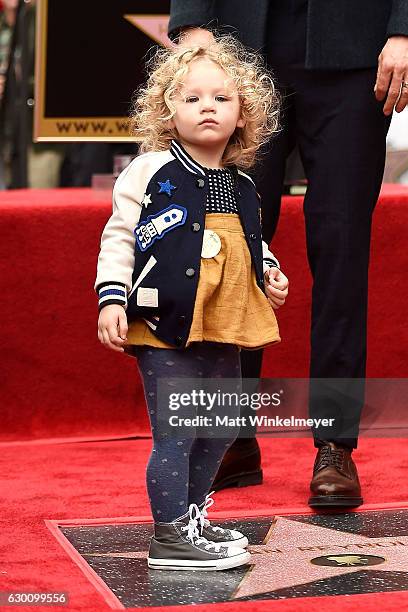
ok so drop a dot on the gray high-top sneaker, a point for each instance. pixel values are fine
(179, 546)
(219, 535)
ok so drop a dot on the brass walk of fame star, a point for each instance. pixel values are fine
(286, 557)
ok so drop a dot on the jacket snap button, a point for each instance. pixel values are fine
(190, 272)
(182, 320)
(178, 340)
(196, 227)
(252, 236)
(200, 183)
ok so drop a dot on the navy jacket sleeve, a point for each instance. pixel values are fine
(398, 22)
(185, 13)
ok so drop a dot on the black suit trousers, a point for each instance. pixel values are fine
(341, 131)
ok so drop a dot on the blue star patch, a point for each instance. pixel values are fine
(166, 187)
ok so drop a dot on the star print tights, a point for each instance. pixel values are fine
(181, 468)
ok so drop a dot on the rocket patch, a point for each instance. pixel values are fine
(154, 227)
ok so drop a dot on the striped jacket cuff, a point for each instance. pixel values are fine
(268, 262)
(112, 293)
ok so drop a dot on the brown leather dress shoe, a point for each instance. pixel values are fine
(241, 465)
(335, 479)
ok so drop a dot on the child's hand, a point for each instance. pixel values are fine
(113, 327)
(276, 287)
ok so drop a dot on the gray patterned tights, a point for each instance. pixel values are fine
(181, 469)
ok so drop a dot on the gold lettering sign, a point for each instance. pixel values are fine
(89, 61)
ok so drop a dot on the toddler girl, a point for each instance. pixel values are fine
(184, 279)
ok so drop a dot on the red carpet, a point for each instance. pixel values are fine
(106, 479)
(58, 381)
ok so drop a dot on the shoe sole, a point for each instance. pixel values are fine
(201, 566)
(240, 480)
(333, 501)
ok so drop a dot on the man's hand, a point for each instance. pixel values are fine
(113, 327)
(392, 72)
(276, 287)
(191, 37)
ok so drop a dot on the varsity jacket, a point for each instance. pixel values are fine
(149, 261)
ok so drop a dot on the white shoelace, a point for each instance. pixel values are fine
(204, 522)
(192, 532)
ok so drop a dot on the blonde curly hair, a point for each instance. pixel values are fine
(153, 104)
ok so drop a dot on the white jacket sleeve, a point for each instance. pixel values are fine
(117, 253)
(269, 259)
(116, 259)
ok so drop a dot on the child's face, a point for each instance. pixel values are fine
(207, 106)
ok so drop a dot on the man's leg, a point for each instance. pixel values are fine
(241, 465)
(342, 133)
(269, 178)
